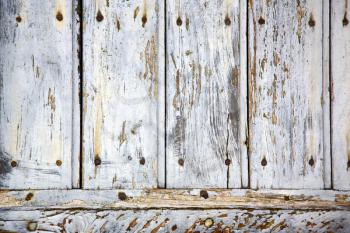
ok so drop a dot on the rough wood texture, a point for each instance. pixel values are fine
(175, 199)
(175, 221)
(35, 94)
(76, 53)
(206, 126)
(286, 86)
(123, 93)
(340, 54)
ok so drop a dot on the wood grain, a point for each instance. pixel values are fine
(36, 94)
(288, 148)
(153, 221)
(340, 54)
(205, 99)
(175, 199)
(123, 93)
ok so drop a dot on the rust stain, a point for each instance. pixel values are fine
(59, 12)
(342, 198)
(265, 225)
(193, 226)
(345, 20)
(155, 230)
(151, 66)
(274, 92)
(122, 136)
(51, 100)
(97, 133)
(132, 224)
(144, 20)
(177, 88)
(281, 225)
(252, 85)
(300, 15)
(235, 77)
(144, 16)
(148, 222)
(117, 24)
(136, 12)
(276, 58)
(196, 83)
(274, 118)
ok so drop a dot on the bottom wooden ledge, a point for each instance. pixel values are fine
(153, 221)
(175, 199)
(162, 210)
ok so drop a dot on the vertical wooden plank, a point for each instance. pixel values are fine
(326, 104)
(340, 69)
(205, 99)
(121, 93)
(35, 94)
(243, 123)
(286, 94)
(161, 159)
(76, 54)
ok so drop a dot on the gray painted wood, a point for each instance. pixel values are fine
(153, 221)
(340, 54)
(123, 94)
(286, 92)
(36, 94)
(76, 53)
(205, 99)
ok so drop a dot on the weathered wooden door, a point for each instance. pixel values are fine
(174, 116)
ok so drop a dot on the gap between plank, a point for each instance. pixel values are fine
(81, 89)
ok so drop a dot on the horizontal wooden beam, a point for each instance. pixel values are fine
(176, 199)
(168, 220)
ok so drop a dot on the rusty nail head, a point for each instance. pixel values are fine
(179, 21)
(208, 222)
(59, 16)
(122, 196)
(13, 163)
(58, 163)
(204, 194)
(32, 226)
